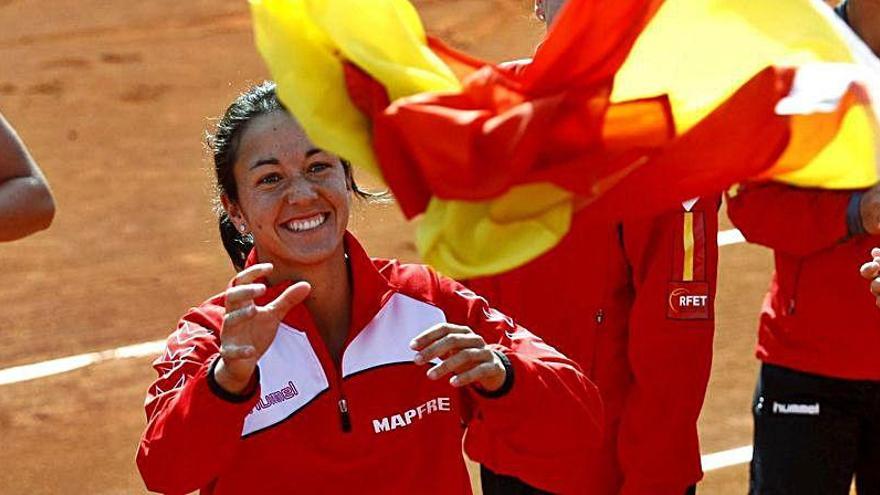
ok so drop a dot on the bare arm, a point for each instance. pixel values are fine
(26, 203)
(864, 17)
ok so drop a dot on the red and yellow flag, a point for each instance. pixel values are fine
(671, 100)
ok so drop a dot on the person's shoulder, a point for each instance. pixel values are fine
(413, 279)
(396, 272)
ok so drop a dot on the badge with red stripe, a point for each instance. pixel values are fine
(688, 301)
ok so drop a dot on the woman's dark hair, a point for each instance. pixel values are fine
(258, 100)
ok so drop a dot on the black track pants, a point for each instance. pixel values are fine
(813, 434)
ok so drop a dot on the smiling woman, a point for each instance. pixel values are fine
(312, 331)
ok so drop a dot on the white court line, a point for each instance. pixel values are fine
(43, 369)
(727, 458)
(728, 237)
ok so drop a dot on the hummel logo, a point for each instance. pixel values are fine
(276, 397)
(802, 409)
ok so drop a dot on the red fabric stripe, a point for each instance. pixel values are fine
(678, 250)
(699, 245)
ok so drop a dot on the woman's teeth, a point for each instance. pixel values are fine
(306, 223)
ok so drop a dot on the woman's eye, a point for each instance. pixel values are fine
(269, 179)
(319, 167)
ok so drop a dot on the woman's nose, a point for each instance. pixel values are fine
(301, 191)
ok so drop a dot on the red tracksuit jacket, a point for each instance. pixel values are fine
(633, 304)
(403, 432)
(818, 316)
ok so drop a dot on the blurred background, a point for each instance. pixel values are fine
(113, 99)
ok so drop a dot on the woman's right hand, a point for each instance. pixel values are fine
(871, 271)
(248, 329)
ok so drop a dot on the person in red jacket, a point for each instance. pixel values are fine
(817, 401)
(321, 370)
(633, 304)
(26, 203)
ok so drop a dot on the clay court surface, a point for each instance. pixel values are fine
(113, 98)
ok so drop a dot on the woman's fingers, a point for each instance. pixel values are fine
(252, 273)
(239, 315)
(448, 344)
(293, 295)
(870, 270)
(245, 323)
(232, 352)
(460, 362)
(484, 374)
(466, 356)
(243, 295)
(432, 334)
(240, 297)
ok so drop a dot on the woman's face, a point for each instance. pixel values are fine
(293, 197)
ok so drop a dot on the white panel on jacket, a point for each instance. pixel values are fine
(290, 377)
(385, 340)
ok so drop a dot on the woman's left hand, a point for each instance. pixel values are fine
(463, 354)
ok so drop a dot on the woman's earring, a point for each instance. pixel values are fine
(243, 228)
(539, 10)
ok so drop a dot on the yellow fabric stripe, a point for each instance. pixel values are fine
(688, 243)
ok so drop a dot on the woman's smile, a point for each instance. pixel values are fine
(305, 224)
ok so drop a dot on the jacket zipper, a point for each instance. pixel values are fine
(344, 414)
(344, 417)
(336, 370)
(792, 302)
(342, 403)
(600, 316)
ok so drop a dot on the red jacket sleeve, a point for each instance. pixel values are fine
(674, 263)
(794, 221)
(192, 428)
(542, 430)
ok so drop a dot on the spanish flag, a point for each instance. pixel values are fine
(628, 107)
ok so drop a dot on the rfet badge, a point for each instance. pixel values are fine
(688, 301)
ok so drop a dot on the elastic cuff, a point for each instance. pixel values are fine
(854, 215)
(508, 379)
(219, 391)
